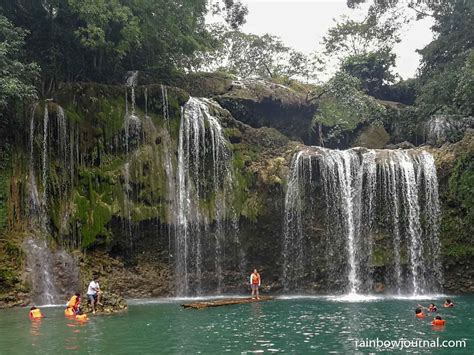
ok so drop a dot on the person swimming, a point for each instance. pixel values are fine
(35, 313)
(438, 321)
(431, 307)
(419, 313)
(448, 303)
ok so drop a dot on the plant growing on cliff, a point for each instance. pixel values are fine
(17, 76)
(342, 103)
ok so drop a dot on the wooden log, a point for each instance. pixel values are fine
(224, 302)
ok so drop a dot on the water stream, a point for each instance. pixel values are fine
(345, 209)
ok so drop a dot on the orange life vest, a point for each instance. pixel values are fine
(438, 322)
(36, 313)
(82, 317)
(73, 302)
(255, 278)
(68, 312)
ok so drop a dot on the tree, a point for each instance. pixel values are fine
(373, 69)
(342, 105)
(74, 40)
(247, 55)
(445, 75)
(234, 12)
(353, 38)
(17, 77)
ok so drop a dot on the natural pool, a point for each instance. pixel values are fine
(299, 325)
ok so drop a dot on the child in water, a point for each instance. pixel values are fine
(448, 303)
(419, 313)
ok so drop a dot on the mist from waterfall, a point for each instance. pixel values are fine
(346, 209)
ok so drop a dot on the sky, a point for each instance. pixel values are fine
(301, 24)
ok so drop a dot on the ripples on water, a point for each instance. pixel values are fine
(309, 325)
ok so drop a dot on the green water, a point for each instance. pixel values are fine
(301, 326)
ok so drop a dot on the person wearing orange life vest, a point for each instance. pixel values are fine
(35, 313)
(73, 306)
(438, 321)
(419, 313)
(255, 282)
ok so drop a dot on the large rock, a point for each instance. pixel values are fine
(373, 137)
(260, 103)
(440, 129)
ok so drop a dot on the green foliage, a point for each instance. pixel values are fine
(234, 11)
(351, 37)
(464, 94)
(83, 40)
(458, 214)
(247, 55)
(461, 183)
(342, 104)
(106, 26)
(17, 77)
(372, 69)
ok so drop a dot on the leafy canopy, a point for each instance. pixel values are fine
(17, 77)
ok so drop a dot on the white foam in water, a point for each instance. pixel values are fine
(347, 298)
(51, 305)
(138, 301)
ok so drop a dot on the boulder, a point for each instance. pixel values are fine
(372, 137)
(111, 303)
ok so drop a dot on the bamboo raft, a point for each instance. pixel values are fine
(224, 302)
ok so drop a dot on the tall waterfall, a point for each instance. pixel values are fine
(204, 175)
(43, 264)
(345, 211)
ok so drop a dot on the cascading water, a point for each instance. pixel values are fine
(204, 175)
(342, 205)
(45, 152)
(168, 165)
(133, 130)
(42, 262)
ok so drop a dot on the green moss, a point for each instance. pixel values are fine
(94, 215)
(457, 225)
(245, 200)
(4, 187)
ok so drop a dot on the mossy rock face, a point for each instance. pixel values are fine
(455, 166)
(203, 84)
(372, 137)
(260, 103)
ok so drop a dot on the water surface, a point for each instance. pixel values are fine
(292, 324)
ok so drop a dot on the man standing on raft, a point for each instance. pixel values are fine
(255, 283)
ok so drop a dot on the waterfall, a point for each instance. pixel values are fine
(132, 127)
(35, 204)
(54, 274)
(43, 264)
(164, 95)
(341, 207)
(45, 152)
(204, 175)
